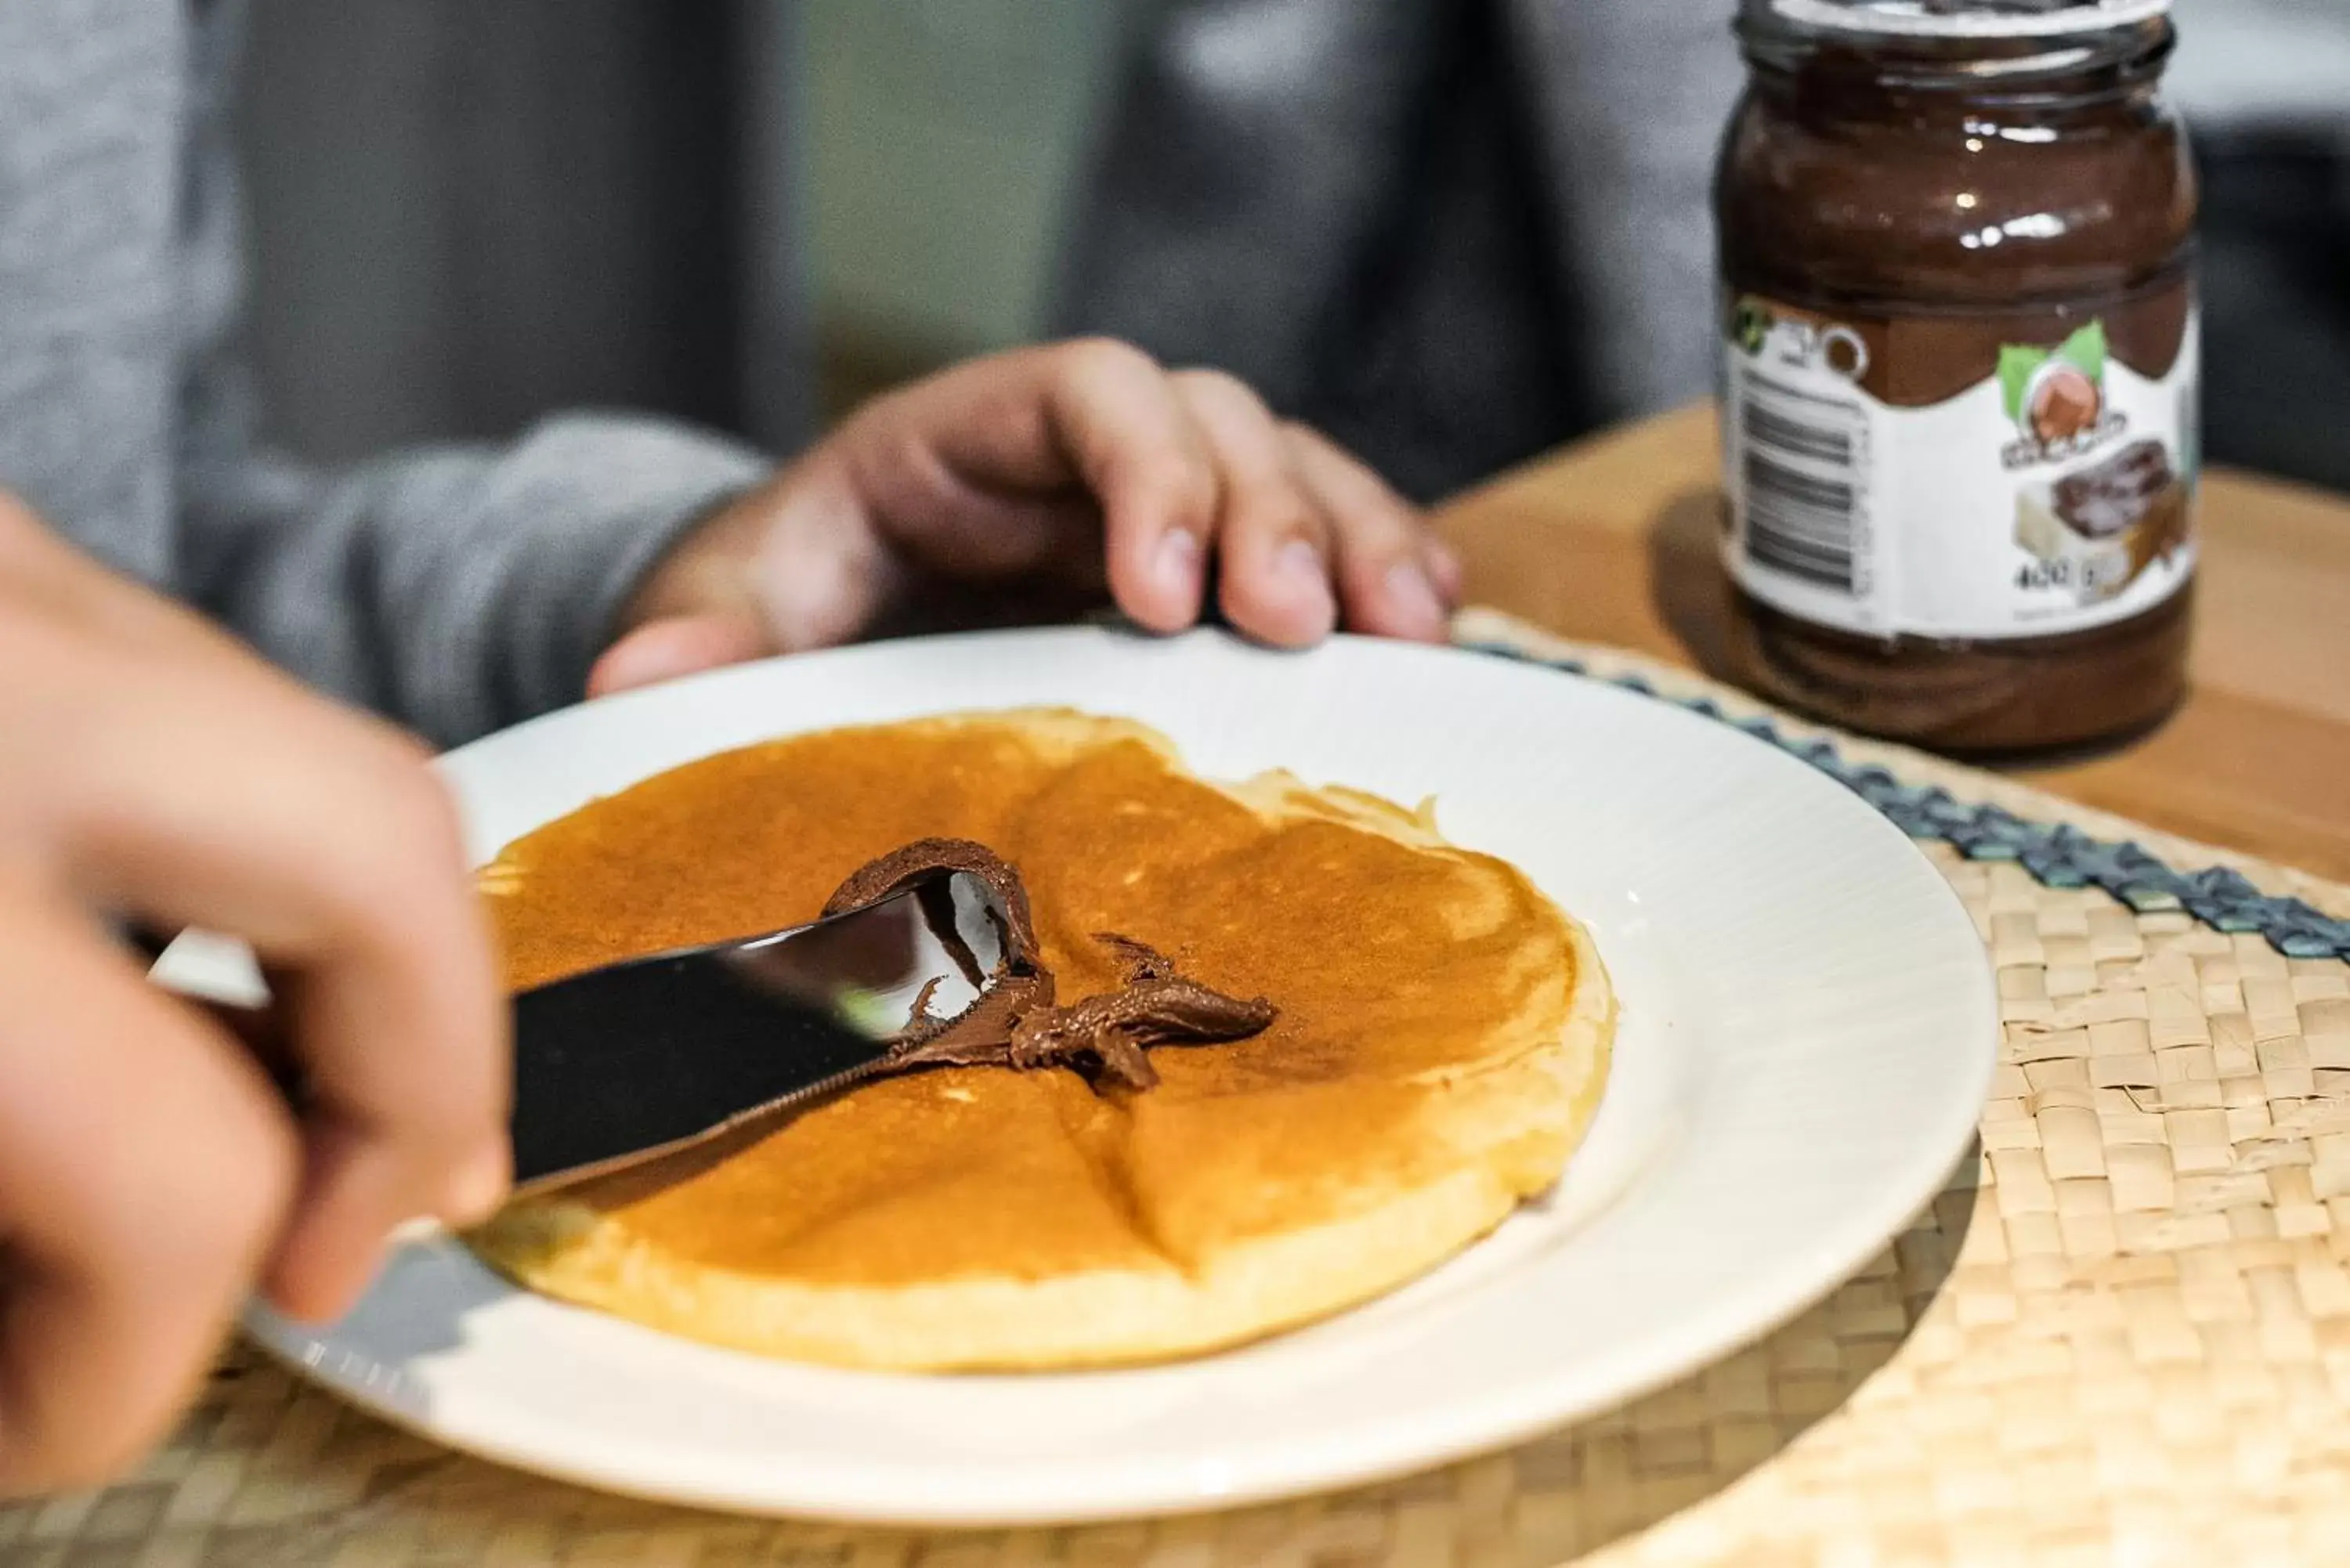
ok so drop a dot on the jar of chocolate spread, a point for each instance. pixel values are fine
(1961, 363)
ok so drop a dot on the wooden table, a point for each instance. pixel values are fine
(1614, 541)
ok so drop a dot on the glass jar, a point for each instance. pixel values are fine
(1960, 368)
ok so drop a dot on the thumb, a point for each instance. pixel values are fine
(678, 645)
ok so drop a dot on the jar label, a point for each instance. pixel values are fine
(1962, 476)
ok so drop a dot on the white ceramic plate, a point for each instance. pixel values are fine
(1807, 1034)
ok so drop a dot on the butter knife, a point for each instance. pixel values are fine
(644, 1057)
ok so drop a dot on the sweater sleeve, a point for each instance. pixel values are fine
(456, 588)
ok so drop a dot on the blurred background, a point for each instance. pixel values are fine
(1455, 231)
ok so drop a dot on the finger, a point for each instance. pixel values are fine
(232, 804)
(1273, 545)
(1026, 427)
(679, 644)
(1393, 578)
(144, 1172)
(44, 571)
(404, 1039)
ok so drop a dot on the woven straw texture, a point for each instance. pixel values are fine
(2121, 1336)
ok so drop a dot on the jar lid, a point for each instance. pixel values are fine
(1969, 19)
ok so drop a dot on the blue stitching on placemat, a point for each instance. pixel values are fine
(2059, 856)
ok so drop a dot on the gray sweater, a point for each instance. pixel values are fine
(457, 588)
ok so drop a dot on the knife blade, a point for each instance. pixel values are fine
(639, 1058)
(649, 1055)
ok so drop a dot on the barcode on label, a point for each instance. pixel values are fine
(1802, 470)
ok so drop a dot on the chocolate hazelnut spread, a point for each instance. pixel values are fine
(1015, 1022)
(1962, 367)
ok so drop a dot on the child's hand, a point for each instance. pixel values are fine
(1035, 480)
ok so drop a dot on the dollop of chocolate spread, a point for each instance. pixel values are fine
(1016, 1020)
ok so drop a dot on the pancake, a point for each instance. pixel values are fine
(1441, 1042)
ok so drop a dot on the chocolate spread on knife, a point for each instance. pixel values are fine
(1960, 368)
(1015, 1022)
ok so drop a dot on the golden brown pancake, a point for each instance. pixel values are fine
(1442, 1040)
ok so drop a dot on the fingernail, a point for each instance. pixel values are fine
(479, 1186)
(1176, 566)
(1302, 565)
(1413, 598)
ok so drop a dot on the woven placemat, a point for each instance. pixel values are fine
(2121, 1335)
